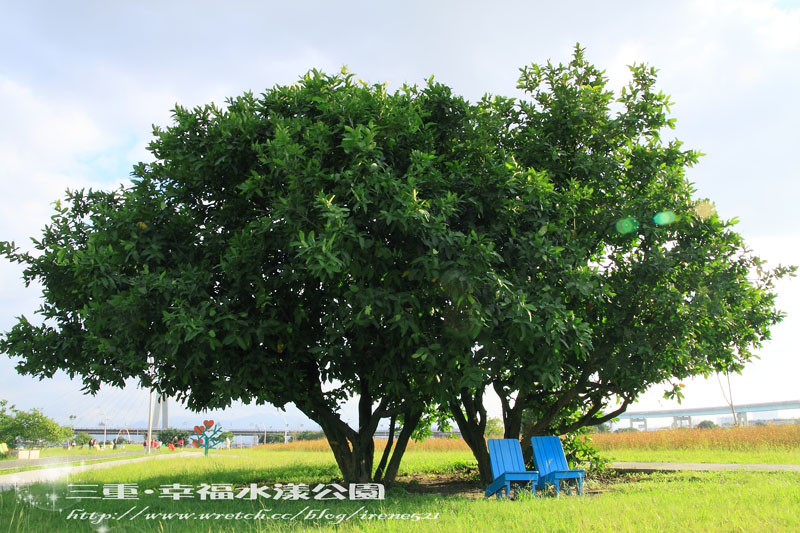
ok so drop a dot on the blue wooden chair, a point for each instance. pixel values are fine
(549, 459)
(508, 466)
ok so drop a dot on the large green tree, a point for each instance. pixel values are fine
(291, 247)
(627, 280)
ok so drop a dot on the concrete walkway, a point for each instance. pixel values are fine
(624, 466)
(18, 479)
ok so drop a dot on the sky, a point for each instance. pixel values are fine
(82, 83)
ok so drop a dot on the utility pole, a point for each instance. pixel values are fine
(150, 414)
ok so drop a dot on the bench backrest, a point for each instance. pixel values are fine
(506, 456)
(548, 455)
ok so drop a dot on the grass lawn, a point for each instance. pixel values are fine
(58, 451)
(94, 458)
(82, 462)
(439, 486)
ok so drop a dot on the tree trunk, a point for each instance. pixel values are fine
(512, 415)
(354, 458)
(512, 426)
(410, 421)
(386, 451)
(353, 450)
(472, 424)
(528, 431)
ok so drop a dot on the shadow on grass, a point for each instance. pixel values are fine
(231, 474)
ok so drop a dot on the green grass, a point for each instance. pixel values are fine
(697, 501)
(100, 459)
(63, 452)
(705, 455)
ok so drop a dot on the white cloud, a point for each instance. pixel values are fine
(627, 53)
(38, 124)
(78, 101)
(41, 148)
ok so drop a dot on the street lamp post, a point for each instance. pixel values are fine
(151, 363)
(285, 427)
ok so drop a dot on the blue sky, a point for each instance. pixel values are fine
(82, 83)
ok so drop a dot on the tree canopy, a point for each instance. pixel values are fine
(627, 279)
(292, 247)
(331, 240)
(28, 426)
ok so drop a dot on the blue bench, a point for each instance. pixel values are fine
(508, 467)
(550, 462)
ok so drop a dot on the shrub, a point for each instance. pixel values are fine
(580, 452)
(166, 435)
(82, 438)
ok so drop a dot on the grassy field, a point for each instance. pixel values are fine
(756, 444)
(437, 491)
(88, 458)
(58, 451)
(77, 462)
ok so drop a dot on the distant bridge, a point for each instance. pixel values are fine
(684, 416)
(680, 417)
(143, 431)
(112, 432)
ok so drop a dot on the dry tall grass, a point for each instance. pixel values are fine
(321, 445)
(734, 439)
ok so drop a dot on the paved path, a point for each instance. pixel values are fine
(623, 466)
(19, 479)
